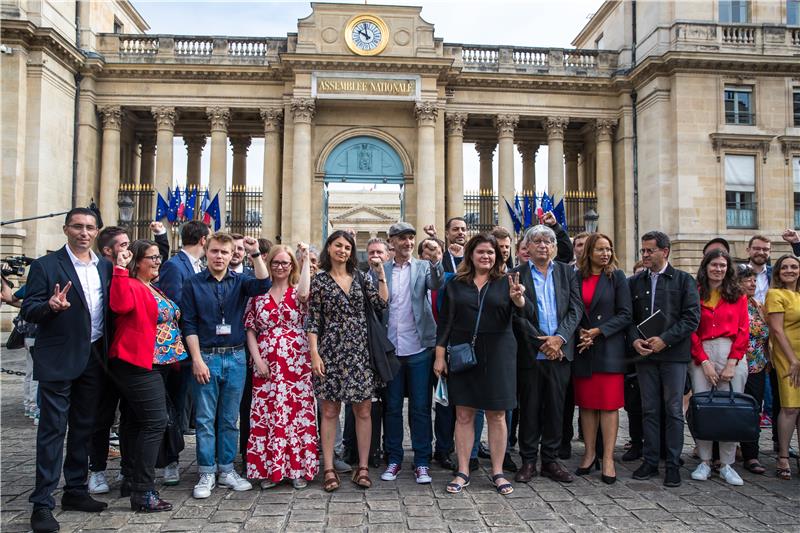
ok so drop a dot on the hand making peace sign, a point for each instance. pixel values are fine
(58, 301)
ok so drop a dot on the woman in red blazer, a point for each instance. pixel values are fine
(146, 342)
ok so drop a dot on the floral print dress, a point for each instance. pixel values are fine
(283, 430)
(340, 321)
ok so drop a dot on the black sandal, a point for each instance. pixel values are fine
(456, 488)
(754, 467)
(506, 488)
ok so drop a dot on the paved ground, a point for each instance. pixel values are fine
(763, 504)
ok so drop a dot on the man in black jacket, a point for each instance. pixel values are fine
(67, 296)
(663, 357)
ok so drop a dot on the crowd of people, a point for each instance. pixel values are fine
(258, 359)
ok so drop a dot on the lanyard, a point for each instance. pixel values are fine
(220, 294)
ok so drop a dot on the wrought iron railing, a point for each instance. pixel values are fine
(481, 209)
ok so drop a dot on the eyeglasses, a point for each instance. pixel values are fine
(154, 258)
(649, 251)
(81, 227)
(281, 264)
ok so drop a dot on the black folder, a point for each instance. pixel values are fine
(653, 326)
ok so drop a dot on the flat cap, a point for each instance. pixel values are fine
(400, 228)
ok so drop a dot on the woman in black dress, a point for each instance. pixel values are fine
(492, 384)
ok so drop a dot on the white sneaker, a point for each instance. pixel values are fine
(98, 484)
(171, 474)
(204, 486)
(702, 472)
(390, 474)
(422, 475)
(730, 476)
(234, 481)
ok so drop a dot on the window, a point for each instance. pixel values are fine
(796, 174)
(740, 191)
(598, 43)
(796, 106)
(117, 26)
(793, 12)
(739, 106)
(735, 11)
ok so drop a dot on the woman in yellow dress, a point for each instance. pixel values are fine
(783, 308)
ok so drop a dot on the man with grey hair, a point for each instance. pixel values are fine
(545, 348)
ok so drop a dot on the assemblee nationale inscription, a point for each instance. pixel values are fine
(367, 87)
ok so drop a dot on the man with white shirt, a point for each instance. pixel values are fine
(412, 330)
(67, 296)
(758, 250)
(237, 258)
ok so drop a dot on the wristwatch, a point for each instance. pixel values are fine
(255, 254)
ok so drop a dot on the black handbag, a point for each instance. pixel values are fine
(724, 416)
(382, 353)
(16, 338)
(461, 357)
(172, 443)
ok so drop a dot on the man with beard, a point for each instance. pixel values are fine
(237, 258)
(456, 233)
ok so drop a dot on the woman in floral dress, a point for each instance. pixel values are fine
(283, 431)
(337, 334)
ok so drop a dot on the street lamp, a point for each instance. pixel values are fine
(126, 206)
(590, 220)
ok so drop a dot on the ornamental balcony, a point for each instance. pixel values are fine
(757, 39)
(527, 60)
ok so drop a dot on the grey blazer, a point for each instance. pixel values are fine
(424, 277)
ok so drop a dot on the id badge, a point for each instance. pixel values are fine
(223, 329)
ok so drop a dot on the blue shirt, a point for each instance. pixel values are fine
(206, 302)
(545, 302)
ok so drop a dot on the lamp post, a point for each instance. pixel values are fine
(126, 206)
(590, 220)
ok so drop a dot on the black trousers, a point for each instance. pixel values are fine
(62, 404)
(662, 389)
(106, 413)
(146, 419)
(633, 406)
(567, 428)
(776, 403)
(541, 409)
(244, 410)
(754, 387)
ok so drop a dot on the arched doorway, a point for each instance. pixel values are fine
(363, 188)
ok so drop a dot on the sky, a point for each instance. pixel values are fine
(539, 23)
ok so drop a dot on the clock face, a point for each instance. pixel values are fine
(366, 35)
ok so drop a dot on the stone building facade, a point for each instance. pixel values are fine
(682, 116)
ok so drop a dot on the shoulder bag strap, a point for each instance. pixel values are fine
(480, 310)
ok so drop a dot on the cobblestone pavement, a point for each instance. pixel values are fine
(763, 504)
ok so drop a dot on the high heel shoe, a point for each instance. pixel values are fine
(149, 502)
(588, 470)
(608, 480)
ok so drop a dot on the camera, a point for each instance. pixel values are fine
(14, 266)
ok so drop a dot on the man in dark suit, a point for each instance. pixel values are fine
(67, 296)
(545, 349)
(664, 357)
(184, 264)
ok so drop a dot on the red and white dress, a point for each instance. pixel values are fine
(283, 429)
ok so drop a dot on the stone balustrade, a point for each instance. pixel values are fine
(531, 60)
(761, 39)
(180, 48)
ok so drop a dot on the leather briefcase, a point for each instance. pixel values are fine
(724, 416)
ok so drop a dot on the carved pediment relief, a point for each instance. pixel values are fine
(363, 213)
(735, 141)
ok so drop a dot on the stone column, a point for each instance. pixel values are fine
(425, 178)
(110, 161)
(218, 177)
(571, 152)
(485, 151)
(555, 126)
(605, 176)
(271, 186)
(239, 145)
(455, 164)
(194, 158)
(506, 124)
(136, 162)
(528, 152)
(303, 113)
(147, 173)
(165, 131)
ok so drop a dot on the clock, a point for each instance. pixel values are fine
(366, 35)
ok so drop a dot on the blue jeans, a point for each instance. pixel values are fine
(217, 411)
(416, 373)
